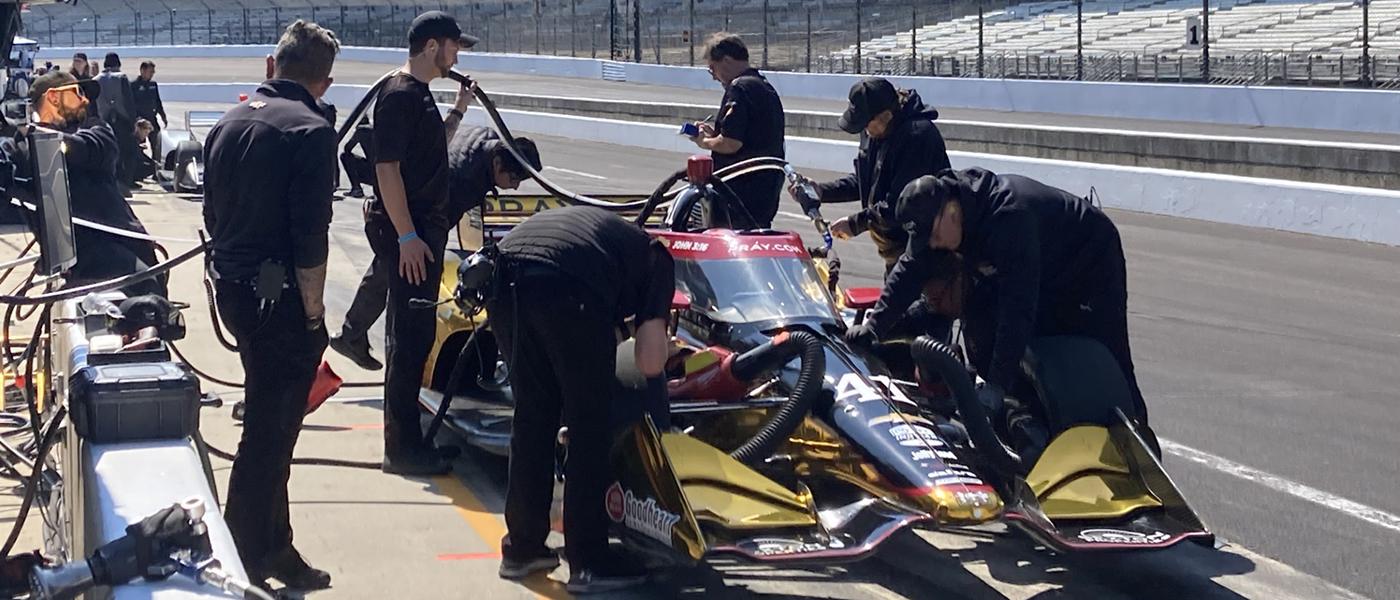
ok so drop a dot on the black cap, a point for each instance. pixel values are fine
(919, 206)
(435, 25)
(869, 97)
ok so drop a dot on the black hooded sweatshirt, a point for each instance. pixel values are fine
(1035, 248)
(883, 167)
(470, 174)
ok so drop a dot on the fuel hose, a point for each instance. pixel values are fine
(785, 419)
(933, 356)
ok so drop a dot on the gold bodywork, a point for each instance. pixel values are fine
(1083, 475)
(725, 491)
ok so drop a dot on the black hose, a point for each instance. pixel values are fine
(658, 195)
(454, 379)
(32, 486)
(790, 414)
(933, 356)
(104, 286)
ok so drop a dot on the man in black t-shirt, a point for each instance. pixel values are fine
(267, 204)
(749, 124)
(407, 227)
(149, 105)
(570, 277)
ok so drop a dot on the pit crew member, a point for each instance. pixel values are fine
(749, 124)
(270, 242)
(1040, 261)
(571, 276)
(898, 144)
(407, 227)
(61, 102)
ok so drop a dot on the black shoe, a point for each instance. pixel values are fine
(291, 569)
(416, 463)
(617, 576)
(357, 351)
(517, 569)
(356, 192)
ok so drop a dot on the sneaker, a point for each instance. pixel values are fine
(357, 351)
(416, 463)
(597, 581)
(517, 569)
(291, 569)
(356, 192)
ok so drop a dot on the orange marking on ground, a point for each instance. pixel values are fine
(491, 529)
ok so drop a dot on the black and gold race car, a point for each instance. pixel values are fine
(790, 445)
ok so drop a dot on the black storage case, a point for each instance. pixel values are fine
(132, 402)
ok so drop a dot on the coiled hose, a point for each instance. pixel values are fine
(799, 403)
(933, 356)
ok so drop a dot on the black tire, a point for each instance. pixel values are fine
(1077, 381)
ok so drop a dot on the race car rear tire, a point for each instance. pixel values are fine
(1077, 381)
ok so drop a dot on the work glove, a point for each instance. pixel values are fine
(861, 336)
(146, 548)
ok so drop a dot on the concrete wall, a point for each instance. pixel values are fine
(1306, 108)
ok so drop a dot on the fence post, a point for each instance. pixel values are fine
(765, 34)
(573, 28)
(1205, 41)
(858, 36)
(95, 20)
(1341, 69)
(1365, 43)
(981, 47)
(913, 39)
(658, 36)
(691, 27)
(1310, 61)
(1180, 68)
(172, 26)
(636, 31)
(1079, 40)
(809, 39)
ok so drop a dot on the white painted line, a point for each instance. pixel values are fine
(573, 172)
(1374, 516)
(793, 215)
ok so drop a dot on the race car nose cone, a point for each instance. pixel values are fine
(963, 503)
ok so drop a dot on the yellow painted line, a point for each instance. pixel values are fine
(491, 529)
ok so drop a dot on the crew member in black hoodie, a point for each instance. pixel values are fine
(478, 164)
(898, 144)
(1039, 261)
(61, 103)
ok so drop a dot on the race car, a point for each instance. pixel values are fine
(182, 153)
(789, 445)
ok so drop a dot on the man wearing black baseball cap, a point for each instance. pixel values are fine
(898, 143)
(407, 227)
(1038, 261)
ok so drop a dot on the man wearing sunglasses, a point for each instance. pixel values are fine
(61, 103)
(478, 164)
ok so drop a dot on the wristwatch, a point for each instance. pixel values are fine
(315, 323)
(456, 113)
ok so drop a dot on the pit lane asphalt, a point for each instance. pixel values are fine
(1270, 349)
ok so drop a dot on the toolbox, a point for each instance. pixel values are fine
(135, 401)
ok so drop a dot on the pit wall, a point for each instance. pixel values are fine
(1303, 108)
(1362, 214)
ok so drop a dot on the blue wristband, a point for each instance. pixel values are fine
(407, 237)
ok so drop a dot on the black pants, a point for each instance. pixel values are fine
(358, 169)
(409, 332)
(280, 358)
(368, 304)
(759, 193)
(562, 355)
(127, 147)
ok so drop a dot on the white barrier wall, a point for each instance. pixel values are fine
(1304, 108)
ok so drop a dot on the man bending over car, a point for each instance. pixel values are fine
(1040, 261)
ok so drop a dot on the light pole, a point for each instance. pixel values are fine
(1365, 43)
(1079, 39)
(1205, 41)
(691, 28)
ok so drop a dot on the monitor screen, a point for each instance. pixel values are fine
(57, 251)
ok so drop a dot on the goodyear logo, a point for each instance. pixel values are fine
(643, 516)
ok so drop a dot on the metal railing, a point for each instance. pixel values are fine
(834, 36)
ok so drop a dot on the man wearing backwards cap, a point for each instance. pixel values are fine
(61, 102)
(898, 143)
(407, 227)
(1040, 261)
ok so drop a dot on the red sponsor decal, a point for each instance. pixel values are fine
(615, 501)
(721, 244)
